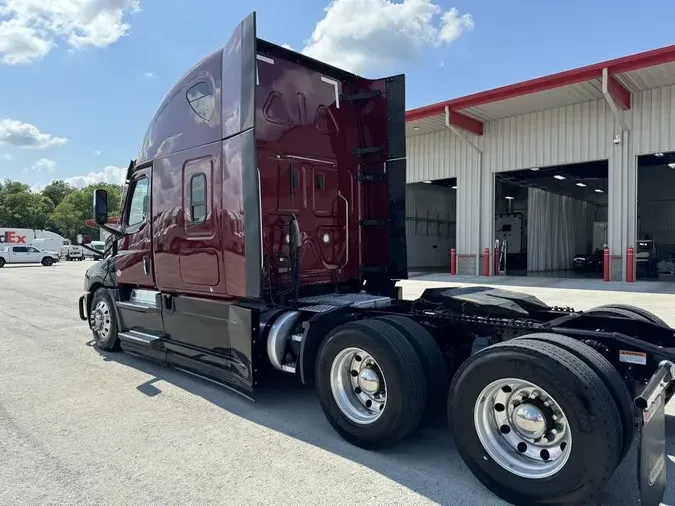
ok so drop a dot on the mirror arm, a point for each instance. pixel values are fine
(114, 231)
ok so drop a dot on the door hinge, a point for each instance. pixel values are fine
(368, 151)
(365, 95)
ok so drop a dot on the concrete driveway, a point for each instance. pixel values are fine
(78, 426)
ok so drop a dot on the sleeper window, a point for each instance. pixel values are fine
(201, 100)
(198, 198)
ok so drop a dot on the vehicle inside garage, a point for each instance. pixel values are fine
(431, 212)
(552, 221)
(655, 245)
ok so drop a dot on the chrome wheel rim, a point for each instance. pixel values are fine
(523, 428)
(100, 320)
(358, 386)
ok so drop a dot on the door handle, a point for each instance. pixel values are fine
(146, 265)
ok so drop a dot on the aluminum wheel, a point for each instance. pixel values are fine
(100, 320)
(358, 386)
(523, 428)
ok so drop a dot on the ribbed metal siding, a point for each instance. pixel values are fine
(569, 134)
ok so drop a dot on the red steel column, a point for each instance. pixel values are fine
(453, 261)
(630, 265)
(486, 262)
(605, 265)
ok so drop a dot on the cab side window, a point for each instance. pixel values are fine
(138, 208)
(198, 198)
(20, 249)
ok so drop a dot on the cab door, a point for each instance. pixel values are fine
(133, 264)
(34, 254)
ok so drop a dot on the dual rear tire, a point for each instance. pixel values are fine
(542, 419)
(378, 380)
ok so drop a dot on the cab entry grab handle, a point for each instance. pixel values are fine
(346, 230)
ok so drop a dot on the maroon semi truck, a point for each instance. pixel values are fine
(263, 232)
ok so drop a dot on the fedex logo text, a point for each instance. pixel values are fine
(12, 238)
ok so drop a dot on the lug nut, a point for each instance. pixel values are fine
(554, 432)
(547, 404)
(534, 395)
(558, 427)
(556, 416)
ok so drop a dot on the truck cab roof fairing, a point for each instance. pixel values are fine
(178, 123)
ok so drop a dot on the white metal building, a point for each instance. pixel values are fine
(613, 111)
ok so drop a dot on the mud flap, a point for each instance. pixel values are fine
(652, 435)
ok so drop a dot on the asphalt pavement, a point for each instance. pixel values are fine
(81, 426)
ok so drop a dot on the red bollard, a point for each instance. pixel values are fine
(605, 265)
(486, 262)
(630, 265)
(496, 262)
(453, 261)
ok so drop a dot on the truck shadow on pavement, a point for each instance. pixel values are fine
(426, 463)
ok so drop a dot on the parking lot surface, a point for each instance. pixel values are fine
(79, 426)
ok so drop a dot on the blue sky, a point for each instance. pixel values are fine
(83, 77)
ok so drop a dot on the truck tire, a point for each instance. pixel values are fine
(47, 261)
(2, 262)
(377, 408)
(607, 373)
(643, 313)
(487, 416)
(433, 363)
(103, 319)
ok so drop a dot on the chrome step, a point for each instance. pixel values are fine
(141, 338)
(297, 337)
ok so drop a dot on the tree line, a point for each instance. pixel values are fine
(59, 208)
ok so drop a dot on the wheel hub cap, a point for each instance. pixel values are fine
(523, 428)
(369, 381)
(529, 421)
(358, 386)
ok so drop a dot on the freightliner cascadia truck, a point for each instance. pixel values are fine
(263, 232)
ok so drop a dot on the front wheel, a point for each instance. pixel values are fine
(535, 424)
(2, 262)
(103, 321)
(370, 383)
(47, 261)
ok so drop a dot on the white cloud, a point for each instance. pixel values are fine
(42, 165)
(29, 29)
(97, 152)
(110, 174)
(6, 156)
(25, 135)
(383, 33)
(287, 46)
(150, 75)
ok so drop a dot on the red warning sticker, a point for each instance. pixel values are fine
(633, 357)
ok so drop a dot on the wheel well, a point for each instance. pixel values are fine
(316, 329)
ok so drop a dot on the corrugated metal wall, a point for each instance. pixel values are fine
(430, 224)
(576, 133)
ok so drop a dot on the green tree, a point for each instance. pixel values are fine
(10, 186)
(57, 190)
(25, 209)
(70, 215)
